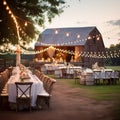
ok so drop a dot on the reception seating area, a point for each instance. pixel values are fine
(60, 70)
(41, 88)
(85, 76)
(42, 85)
(100, 77)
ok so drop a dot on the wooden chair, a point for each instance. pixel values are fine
(37, 73)
(10, 70)
(77, 76)
(64, 72)
(44, 96)
(23, 94)
(5, 75)
(4, 104)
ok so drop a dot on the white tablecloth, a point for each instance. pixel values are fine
(90, 75)
(37, 86)
(104, 75)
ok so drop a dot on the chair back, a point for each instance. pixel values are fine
(50, 84)
(116, 74)
(76, 74)
(108, 74)
(23, 89)
(1, 83)
(97, 74)
(64, 72)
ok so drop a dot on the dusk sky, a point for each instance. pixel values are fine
(104, 14)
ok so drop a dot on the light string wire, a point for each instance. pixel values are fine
(18, 28)
(13, 17)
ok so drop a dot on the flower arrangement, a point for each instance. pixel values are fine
(23, 76)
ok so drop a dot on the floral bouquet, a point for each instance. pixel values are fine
(24, 75)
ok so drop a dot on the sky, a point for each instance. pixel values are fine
(104, 14)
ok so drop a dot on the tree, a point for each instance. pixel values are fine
(17, 18)
(114, 53)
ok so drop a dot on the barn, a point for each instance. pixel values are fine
(78, 45)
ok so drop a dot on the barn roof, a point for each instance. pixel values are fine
(64, 36)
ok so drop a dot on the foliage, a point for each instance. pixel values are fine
(29, 12)
(115, 61)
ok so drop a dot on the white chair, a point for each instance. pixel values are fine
(57, 73)
(107, 77)
(97, 77)
(116, 77)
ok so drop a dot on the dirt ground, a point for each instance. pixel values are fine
(66, 104)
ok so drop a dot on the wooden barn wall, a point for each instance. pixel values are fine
(78, 49)
(94, 45)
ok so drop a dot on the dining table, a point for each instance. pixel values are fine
(37, 85)
(88, 75)
(69, 70)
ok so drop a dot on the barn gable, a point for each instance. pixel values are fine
(65, 36)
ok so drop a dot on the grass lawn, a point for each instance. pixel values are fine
(113, 67)
(101, 92)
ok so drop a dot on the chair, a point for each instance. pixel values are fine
(37, 73)
(57, 73)
(115, 77)
(10, 70)
(43, 69)
(23, 94)
(97, 77)
(50, 70)
(44, 96)
(64, 72)
(5, 75)
(107, 77)
(4, 104)
(76, 76)
(70, 73)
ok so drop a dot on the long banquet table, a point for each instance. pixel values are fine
(37, 86)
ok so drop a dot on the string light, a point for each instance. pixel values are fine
(4, 3)
(26, 24)
(18, 28)
(13, 17)
(78, 36)
(56, 31)
(67, 34)
(103, 54)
